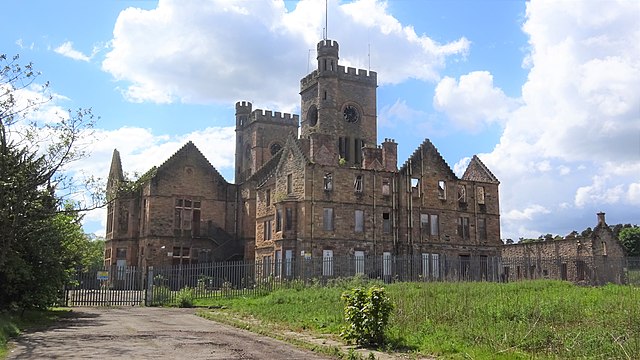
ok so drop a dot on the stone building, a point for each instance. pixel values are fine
(315, 186)
(596, 259)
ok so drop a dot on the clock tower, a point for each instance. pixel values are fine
(339, 103)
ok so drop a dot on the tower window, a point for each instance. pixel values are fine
(275, 147)
(289, 184)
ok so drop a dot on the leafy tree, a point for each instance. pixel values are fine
(630, 240)
(38, 238)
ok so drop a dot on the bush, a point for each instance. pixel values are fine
(366, 314)
(185, 298)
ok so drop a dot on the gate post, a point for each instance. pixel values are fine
(148, 298)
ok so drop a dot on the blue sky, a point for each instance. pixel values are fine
(545, 92)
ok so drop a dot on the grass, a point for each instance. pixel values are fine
(12, 324)
(539, 319)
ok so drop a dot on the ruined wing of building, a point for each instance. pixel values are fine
(330, 192)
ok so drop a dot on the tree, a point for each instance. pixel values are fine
(630, 240)
(37, 234)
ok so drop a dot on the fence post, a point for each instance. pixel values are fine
(148, 296)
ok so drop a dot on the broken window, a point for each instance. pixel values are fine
(186, 217)
(415, 187)
(424, 223)
(357, 184)
(109, 219)
(463, 227)
(121, 253)
(462, 193)
(359, 220)
(442, 189)
(328, 182)
(386, 187)
(386, 223)
(480, 194)
(327, 219)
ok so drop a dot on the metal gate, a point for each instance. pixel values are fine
(106, 286)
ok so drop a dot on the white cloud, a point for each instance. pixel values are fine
(140, 149)
(66, 49)
(579, 110)
(473, 101)
(460, 167)
(221, 51)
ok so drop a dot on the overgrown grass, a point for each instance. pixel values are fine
(12, 324)
(542, 319)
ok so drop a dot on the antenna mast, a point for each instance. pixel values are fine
(326, 19)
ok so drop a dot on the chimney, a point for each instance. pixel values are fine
(601, 221)
(390, 155)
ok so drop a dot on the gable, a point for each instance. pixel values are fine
(190, 156)
(429, 158)
(477, 171)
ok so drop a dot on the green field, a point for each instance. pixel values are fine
(539, 319)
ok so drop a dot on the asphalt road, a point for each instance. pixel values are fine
(148, 333)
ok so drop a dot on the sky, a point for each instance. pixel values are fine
(546, 93)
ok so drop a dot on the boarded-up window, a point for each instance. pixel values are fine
(327, 262)
(386, 187)
(434, 223)
(359, 220)
(424, 224)
(482, 228)
(359, 262)
(327, 219)
(463, 227)
(386, 223)
(480, 195)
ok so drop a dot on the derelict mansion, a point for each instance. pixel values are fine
(330, 192)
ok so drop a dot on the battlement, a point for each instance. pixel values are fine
(348, 73)
(328, 47)
(277, 116)
(243, 107)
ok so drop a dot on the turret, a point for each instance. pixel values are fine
(327, 56)
(243, 109)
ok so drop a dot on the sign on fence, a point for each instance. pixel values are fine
(102, 275)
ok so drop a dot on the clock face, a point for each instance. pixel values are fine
(351, 114)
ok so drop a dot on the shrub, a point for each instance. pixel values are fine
(185, 298)
(366, 314)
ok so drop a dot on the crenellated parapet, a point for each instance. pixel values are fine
(276, 117)
(348, 73)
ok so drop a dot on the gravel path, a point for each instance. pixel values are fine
(147, 333)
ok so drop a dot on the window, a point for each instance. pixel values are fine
(425, 266)
(482, 229)
(359, 262)
(278, 263)
(357, 184)
(604, 248)
(435, 266)
(288, 260)
(386, 187)
(462, 193)
(267, 230)
(107, 253)
(181, 252)
(275, 147)
(109, 219)
(327, 219)
(359, 217)
(415, 187)
(442, 190)
(328, 182)
(278, 220)
(267, 197)
(289, 184)
(435, 231)
(386, 223)
(288, 216)
(187, 217)
(266, 266)
(121, 253)
(480, 195)
(327, 262)
(463, 227)
(386, 264)
(424, 223)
